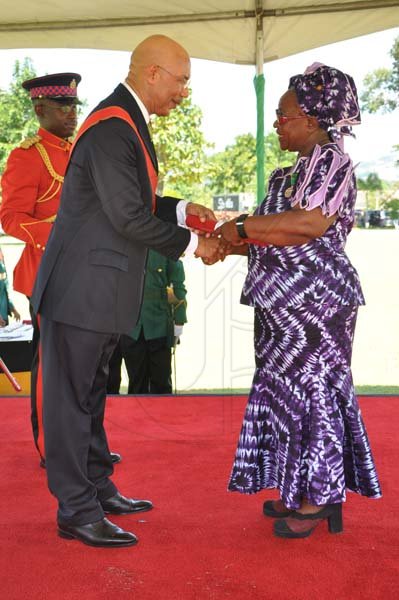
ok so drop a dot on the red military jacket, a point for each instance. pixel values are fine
(31, 190)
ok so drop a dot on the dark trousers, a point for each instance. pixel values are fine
(148, 364)
(75, 373)
(36, 396)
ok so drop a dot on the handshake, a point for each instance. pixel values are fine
(214, 244)
(212, 247)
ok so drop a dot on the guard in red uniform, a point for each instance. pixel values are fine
(31, 190)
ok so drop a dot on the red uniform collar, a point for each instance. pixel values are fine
(54, 140)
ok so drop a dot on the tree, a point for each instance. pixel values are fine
(372, 183)
(382, 85)
(393, 207)
(373, 187)
(180, 146)
(17, 119)
(234, 169)
(396, 149)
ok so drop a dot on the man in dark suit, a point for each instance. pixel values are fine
(90, 282)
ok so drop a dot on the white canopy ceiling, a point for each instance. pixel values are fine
(222, 30)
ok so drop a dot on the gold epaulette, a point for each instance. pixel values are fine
(30, 141)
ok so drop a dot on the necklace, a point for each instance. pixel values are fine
(293, 180)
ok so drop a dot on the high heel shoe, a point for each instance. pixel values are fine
(270, 509)
(299, 525)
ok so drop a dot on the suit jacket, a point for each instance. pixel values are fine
(92, 271)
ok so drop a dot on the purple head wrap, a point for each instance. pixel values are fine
(330, 96)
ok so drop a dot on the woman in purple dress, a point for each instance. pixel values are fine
(302, 432)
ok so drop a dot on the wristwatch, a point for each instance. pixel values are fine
(240, 225)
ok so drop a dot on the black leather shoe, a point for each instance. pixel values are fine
(119, 505)
(101, 533)
(115, 457)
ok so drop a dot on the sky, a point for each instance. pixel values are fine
(225, 92)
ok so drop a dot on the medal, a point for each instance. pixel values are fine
(289, 190)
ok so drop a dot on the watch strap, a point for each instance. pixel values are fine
(240, 225)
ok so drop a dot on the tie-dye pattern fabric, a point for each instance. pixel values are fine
(316, 272)
(303, 432)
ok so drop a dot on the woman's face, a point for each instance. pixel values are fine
(293, 127)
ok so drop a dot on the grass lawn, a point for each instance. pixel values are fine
(363, 390)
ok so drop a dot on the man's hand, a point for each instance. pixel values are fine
(15, 314)
(200, 211)
(210, 250)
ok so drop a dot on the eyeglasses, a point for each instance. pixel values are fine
(282, 119)
(64, 108)
(183, 80)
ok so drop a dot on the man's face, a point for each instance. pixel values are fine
(58, 117)
(171, 87)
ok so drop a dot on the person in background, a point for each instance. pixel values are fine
(302, 431)
(7, 308)
(31, 191)
(90, 282)
(147, 351)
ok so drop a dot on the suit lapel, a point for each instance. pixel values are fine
(127, 101)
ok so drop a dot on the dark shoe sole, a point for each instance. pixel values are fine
(127, 512)
(68, 536)
(288, 534)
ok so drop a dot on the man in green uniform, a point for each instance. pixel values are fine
(147, 351)
(7, 308)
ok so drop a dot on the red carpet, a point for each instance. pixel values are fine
(200, 542)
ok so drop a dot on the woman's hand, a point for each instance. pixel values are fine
(230, 234)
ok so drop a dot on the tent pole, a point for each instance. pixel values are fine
(259, 83)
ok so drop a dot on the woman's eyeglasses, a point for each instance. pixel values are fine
(282, 119)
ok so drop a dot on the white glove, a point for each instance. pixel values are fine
(178, 330)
